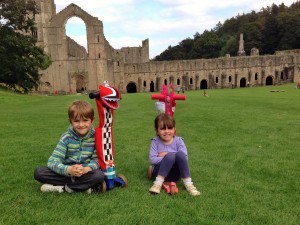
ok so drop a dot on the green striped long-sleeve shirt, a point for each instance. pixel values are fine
(72, 149)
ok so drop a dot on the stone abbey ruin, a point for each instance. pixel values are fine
(75, 69)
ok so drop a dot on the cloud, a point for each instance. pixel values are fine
(164, 22)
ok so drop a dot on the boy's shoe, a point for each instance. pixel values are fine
(192, 190)
(121, 181)
(51, 188)
(99, 189)
(155, 189)
(88, 191)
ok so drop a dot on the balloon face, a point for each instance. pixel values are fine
(109, 96)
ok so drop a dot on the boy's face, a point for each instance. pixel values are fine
(166, 134)
(81, 126)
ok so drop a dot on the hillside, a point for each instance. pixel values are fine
(273, 28)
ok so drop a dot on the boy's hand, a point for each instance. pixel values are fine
(86, 169)
(78, 170)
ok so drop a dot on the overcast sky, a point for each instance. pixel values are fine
(164, 22)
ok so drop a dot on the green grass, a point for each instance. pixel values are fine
(243, 152)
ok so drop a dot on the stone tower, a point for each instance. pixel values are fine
(241, 51)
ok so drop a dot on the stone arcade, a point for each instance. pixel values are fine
(75, 69)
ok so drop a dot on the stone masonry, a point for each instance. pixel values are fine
(75, 69)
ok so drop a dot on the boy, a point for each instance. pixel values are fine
(73, 165)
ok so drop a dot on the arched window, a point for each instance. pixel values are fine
(76, 25)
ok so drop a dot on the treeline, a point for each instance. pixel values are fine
(271, 29)
(20, 57)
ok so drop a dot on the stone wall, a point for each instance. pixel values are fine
(225, 72)
(75, 50)
(76, 70)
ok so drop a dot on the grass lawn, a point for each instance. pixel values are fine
(244, 153)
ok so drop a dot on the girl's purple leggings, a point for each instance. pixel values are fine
(172, 167)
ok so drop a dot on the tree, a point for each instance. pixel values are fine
(186, 47)
(270, 31)
(252, 36)
(273, 28)
(208, 45)
(21, 59)
(171, 53)
(289, 31)
(230, 46)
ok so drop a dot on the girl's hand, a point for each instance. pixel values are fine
(162, 154)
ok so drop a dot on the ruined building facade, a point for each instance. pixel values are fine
(75, 69)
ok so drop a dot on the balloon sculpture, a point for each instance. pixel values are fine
(166, 104)
(167, 99)
(107, 101)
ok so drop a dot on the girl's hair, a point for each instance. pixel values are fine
(80, 110)
(166, 120)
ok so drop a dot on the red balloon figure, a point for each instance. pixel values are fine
(167, 99)
(107, 101)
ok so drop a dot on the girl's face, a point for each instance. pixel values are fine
(165, 133)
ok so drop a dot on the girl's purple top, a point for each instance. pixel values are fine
(158, 146)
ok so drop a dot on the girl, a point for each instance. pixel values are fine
(168, 156)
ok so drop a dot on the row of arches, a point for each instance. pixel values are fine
(131, 87)
(79, 84)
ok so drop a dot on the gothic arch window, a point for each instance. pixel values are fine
(191, 80)
(256, 76)
(77, 24)
(243, 82)
(165, 82)
(203, 84)
(178, 81)
(229, 79)
(131, 87)
(80, 82)
(269, 80)
(152, 86)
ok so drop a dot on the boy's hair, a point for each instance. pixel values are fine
(80, 109)
(166, 120)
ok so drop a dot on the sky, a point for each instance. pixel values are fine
(126, 23)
